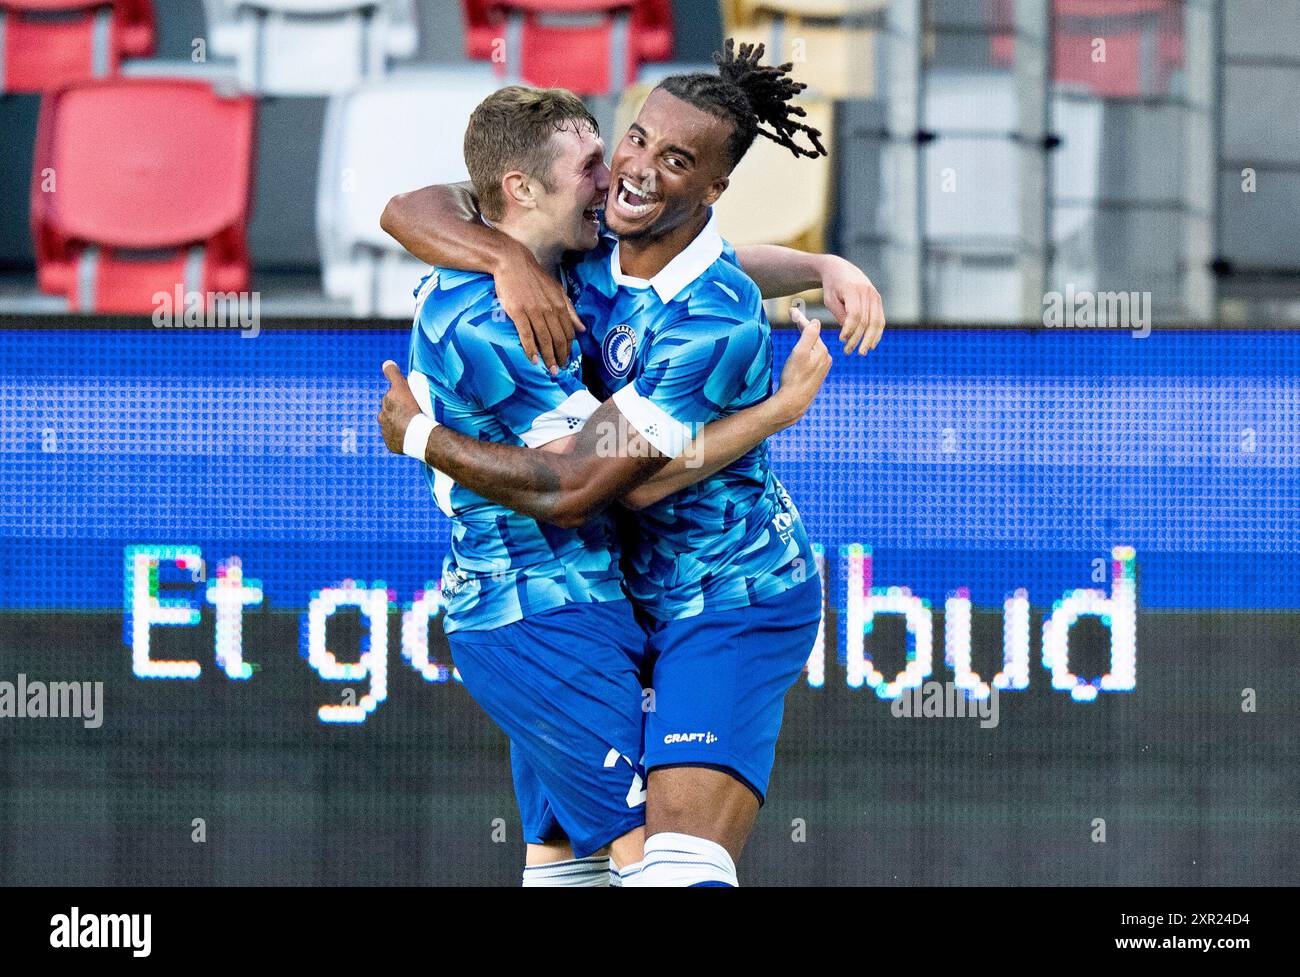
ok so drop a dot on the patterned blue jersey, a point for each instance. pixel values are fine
(469, 372)
(687, 347)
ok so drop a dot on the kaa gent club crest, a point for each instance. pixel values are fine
(618, 351)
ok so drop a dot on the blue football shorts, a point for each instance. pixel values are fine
(565, 687)
(720, 680)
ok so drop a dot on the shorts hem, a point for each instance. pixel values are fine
(536, 838)
(599, 839)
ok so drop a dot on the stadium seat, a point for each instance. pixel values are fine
(371, 151)
(140, 185)
(972, 225)
(1139, 59)
(983, 158)
(311, 47)
(594, 47)
(981, 205)
(1144, 44)
(46, 44)
(832, 43)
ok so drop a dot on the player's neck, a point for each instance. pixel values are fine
(645, 257)
(547, 252)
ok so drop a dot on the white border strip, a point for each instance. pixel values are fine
(561, 421)
(669, 435)
(442, 484)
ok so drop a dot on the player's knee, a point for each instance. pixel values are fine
(702, 802)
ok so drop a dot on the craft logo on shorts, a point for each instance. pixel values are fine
(618, 351)
(706, 738)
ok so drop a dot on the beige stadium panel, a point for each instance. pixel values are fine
(745, 13)
(777, 198)
(834, 62)
(735, 13)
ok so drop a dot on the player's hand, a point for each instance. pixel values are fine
(543, 315)
(397, 409)
(855, 303)
(804, 370)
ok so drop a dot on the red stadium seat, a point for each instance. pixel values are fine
(51, 43)
(571, 43)
(140, 185)
(1144, 43)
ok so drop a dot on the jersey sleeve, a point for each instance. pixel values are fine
(694, 374)
(522, 395)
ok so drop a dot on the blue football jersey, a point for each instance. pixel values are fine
(687, 347)
(468, 371)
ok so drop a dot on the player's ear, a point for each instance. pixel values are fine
(517, 187)
(715, 190)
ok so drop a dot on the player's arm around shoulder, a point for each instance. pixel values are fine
(442, 225)
(607, 459)
(578, 475)
(849, 294)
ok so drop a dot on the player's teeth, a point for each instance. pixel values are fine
(635, 209)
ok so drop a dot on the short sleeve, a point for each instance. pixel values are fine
(694, 373)
(522, 395)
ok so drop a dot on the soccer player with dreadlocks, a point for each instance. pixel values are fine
(721, 571)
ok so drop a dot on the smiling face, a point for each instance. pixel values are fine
(574, 190)
(537, 162)
(672, 164)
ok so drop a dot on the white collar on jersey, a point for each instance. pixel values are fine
(691, 262)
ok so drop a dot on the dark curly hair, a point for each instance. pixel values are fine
(749, 95)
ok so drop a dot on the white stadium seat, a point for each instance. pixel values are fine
(379, 140)
(972, 184)
(310, 47)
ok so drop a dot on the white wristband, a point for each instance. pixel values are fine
(417, 436)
